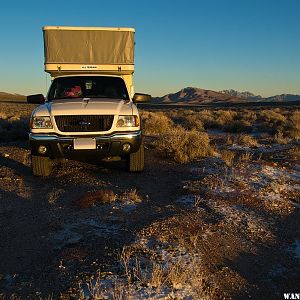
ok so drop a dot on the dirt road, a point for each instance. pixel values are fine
(40, 223)
(50, 241)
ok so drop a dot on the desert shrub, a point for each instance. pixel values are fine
(294, 125)
(247, 140)
(92, 198)
(192, 122)
(224, 117)
(229, 140)
(238, 126)
(185, 112)
(228, 157)
(13, 127)
(188, 119)
(172, 114)
(294, 152)
(279, 138)
(207, 118)
(244, 157)
(131, 196)
(3, 116)
(248, 116)
(155, 123)
(184, 145)
(272, 120)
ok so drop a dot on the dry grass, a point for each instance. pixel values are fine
(238, 126)
(100, 197)
(271, 120)
(150, 271)
(192, 122)
(184, 145)
(207, 118)
(54, 195)
(294, 152)
(131, 196)
(155, 123)
(272, 116)
(294, 127)
(279, 138)
(247, 140)
(92, 198)
(228, 157)
(240, 120)
(245, 157)
(224, 117)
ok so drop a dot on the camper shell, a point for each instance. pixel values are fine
(89, 112)
(101, 50)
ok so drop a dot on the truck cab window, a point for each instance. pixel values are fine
(89, 87)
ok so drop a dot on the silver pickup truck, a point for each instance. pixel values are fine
(88, 114)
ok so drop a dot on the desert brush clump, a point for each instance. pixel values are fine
(247, 140)
(131, 196)
(187, 118)
(294, 152)
(228, 157)
(207, 118)
(184, 145)
(238, 126)
(279, 138)
(245, 157)
(271, 120)
(224, 117)
(192, 122)
(92, 198)
(247, 115)
(142, 266)
(294, 125)
(155, 123)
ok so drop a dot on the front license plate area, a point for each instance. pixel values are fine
(84, 144)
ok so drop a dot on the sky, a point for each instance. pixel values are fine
(246, 45)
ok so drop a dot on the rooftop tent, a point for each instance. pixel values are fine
(88, 49)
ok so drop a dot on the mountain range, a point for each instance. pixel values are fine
(192, 95)
(8, 96)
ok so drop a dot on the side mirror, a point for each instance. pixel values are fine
(36, 99)
(140, 98)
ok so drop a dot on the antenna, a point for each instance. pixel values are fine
(46, 83)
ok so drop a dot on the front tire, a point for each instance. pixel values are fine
(135, 161)
(41, 166)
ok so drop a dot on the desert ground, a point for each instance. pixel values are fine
(214, 215)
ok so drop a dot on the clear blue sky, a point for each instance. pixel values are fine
(219, 44)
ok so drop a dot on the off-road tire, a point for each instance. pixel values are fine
(41, 166)
(135, 161)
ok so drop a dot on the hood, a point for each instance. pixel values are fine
(86, 106)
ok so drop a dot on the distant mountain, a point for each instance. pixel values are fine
(192, 95)
(8, 96)
(284, 97)
(246, 95)
(252, 97)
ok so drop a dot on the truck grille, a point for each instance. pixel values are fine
(84, 123)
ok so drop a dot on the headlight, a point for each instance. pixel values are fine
(128, 121)
(41, 122)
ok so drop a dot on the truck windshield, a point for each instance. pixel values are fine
(88, 87)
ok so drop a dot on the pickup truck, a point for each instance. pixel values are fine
(89, 112)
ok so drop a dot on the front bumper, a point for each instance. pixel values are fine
(106, 145)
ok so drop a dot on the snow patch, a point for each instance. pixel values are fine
(72, 233)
